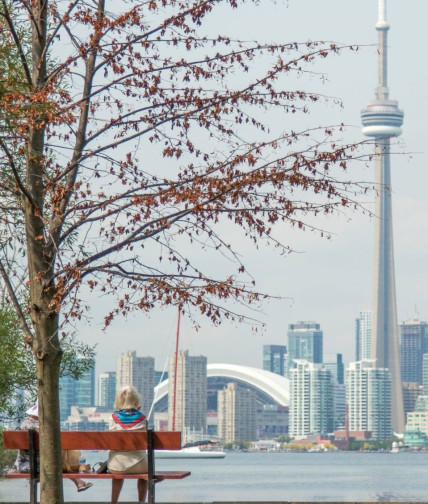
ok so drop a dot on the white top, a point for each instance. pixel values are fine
(123, 460)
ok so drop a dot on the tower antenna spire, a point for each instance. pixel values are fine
(382, 119)
(382, 91)
(382, 12)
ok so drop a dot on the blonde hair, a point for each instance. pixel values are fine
(127, 398)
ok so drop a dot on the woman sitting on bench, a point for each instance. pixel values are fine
(22, 462)
(127, 416)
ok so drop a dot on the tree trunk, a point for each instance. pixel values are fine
(48, 359)
(41, 261)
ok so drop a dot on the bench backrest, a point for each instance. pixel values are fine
(99, 440)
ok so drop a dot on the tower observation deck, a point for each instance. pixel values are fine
(382, 119)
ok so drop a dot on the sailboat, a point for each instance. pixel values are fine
(197, 449)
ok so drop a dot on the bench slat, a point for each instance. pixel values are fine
(159, 475)
(100, 440)
(17, 440)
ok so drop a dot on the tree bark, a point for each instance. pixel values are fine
(41, 262)
(48, 357)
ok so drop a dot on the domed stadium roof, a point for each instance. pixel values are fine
(271, 388)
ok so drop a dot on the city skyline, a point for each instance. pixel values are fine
(328, 279)
(315, 400)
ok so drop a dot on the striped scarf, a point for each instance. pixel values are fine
(128, 418)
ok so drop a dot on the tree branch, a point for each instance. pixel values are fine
(25, 66)
(16, 305)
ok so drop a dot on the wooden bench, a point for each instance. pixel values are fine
(99, 440)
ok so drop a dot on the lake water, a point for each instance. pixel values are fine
(341, 476)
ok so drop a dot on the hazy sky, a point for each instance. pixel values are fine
(327, 281)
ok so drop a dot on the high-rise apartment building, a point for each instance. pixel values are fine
(413, 344)
(421, 403)
(418, 420)
(275, 358)
(84, 393)
(107, 389)
(337, 369)
(187, 395)
(411, 392)
(139, 372)
(66, 396)
(368, 397)
(305, 341)
(311, 399)
(363, 334)
(79, 392)
(425, 373)
(339, 405)
(236, 413)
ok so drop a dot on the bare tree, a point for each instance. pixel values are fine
(128, 137)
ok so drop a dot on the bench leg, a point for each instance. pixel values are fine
(151, 491)
(33, 491)
(151, 467)
(33, 465)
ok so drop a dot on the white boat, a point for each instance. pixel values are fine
(190, 452)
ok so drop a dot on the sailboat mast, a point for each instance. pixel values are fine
(175, 371)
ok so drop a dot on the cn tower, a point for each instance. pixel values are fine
(382, 119)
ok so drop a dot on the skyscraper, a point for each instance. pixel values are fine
(339, 405)
(274, 359)
(336, 369)
(84, 393)
(107, 389)
(236, 413)
(363, 334)
(368, 397)
(79, 392)
(139, 372)
(425, 373)
(305, 341)
(187, 395)
(382, 119)
(66, 396)
(311, 399)
(413, 344)
(411, 392)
